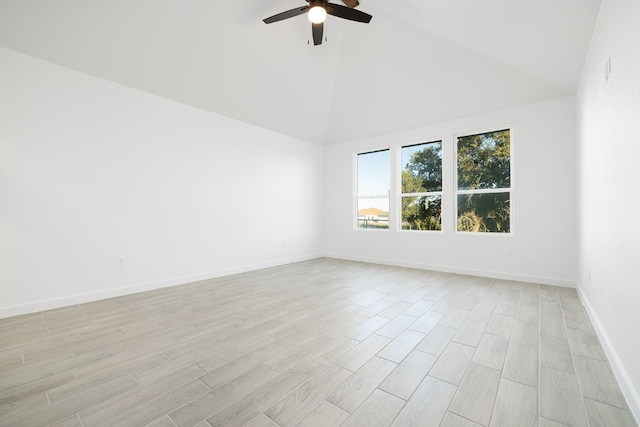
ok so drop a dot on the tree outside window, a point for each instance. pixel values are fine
(421, 183)
(484, 182)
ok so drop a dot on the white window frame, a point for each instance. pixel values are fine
(357, 197)
(509, 190)
(401, 195)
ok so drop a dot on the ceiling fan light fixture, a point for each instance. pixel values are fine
(317, 14)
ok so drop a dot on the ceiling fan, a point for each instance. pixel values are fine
(318, 10)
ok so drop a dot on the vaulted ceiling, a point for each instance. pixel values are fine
(417, 63)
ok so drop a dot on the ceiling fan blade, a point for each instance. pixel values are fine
(286, 15)
(351, 3)
(318, 31)
(346, 13)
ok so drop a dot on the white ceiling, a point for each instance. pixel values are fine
(417, 63)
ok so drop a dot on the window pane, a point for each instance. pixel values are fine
(488, 212)
(422, 167)
(484, 161)
(373, 173)
(422, 213)
(373, 213)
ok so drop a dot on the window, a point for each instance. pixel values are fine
(421, 182)
(374, 171)
(484, 182)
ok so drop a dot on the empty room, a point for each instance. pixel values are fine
(274, 213)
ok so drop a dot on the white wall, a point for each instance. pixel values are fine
(608, 132)
(91, 171)
(543, 202)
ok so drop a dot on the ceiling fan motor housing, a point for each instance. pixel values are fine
(324, 8)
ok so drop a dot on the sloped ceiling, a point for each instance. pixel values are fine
(417, 63)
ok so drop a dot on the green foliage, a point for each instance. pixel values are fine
(422, 213)
(484, 163)
(484, 212)
(422, 174)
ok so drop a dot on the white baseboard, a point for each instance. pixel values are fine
(37, 306)
(627, 387)
(66, 301)
(458, 270)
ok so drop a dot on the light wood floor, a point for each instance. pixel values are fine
(318, 343)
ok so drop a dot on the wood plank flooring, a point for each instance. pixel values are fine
(318, 343)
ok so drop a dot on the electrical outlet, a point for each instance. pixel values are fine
(510, 252)
(120, 262)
